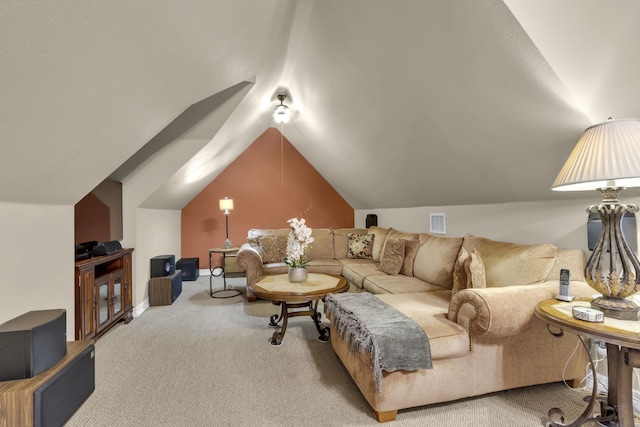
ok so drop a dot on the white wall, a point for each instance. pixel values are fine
(563, 223)
(157, 233)
(37, 260)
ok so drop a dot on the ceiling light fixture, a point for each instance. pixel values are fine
(607, 159)
(282, 114)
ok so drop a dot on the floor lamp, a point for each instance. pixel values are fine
(226, 206)
(607, 159)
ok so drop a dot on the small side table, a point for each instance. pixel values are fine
(622, 339)
(219, 271)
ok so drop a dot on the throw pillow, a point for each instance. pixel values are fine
(474, 270)
(360, 246)
(274, 247)
(380, 236)
(508, 264)
(459, 273)
(393, 256)
(410, 251)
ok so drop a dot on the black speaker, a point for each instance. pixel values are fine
(627, 227)
(107, 248)
(372, 220)
(32, 343)
(163, 265)
(57, 399)
(190, 268)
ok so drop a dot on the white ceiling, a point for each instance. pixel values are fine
(398, 103)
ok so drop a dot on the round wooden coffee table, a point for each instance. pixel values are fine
(295, 296)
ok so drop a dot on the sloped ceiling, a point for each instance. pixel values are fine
(397, 104)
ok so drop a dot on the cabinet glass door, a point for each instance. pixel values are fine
(103, 302)
(116, 296)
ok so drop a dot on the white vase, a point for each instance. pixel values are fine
(297, 274)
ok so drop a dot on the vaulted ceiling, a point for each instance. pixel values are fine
(397, 103)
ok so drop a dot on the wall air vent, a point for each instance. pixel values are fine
(437, 224)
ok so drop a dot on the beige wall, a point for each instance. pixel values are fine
(157, 233)
(37, 260)
(563, 223)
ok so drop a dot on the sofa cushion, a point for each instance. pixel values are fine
(410, 250)
(436, 258)
(360, 246)
(273, 247)
(322, 245)
(325, 265)
(509, 264)
(380, 235)
(356, 270)
(429, 310)
(385, 283)
(392, 257)
(341, 240)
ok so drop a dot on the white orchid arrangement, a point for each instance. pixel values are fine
(298, 241)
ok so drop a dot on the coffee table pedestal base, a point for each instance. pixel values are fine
(290, 310)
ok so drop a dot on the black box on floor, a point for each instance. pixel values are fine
(190, 268)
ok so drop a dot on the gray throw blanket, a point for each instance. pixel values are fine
(393, 340)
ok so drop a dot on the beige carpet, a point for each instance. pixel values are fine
(208, 362)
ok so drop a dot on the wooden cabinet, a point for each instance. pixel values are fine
(103, 293)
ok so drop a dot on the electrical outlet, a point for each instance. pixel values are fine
(601, 348)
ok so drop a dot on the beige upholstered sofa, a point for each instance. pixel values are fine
(474, 298)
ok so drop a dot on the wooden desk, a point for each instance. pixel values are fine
(280, 291)
(622, 339)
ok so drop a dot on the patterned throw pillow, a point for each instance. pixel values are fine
(392, 257)
(474, 269)
(274, 247)
(360, 246)
(459, 272)
(410, 251)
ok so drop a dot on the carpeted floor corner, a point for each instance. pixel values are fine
(208, 362)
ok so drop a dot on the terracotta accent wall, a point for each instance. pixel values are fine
(269, 183)
(92, 220)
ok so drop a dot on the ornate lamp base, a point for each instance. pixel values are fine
(227, 244)
(617, 308)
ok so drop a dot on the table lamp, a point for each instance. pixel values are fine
(607, 158)
(226, 206)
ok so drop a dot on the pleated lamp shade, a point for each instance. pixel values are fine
(606, 156)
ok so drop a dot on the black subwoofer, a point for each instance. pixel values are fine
(163, 265)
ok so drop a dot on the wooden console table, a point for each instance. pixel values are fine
(103, 293)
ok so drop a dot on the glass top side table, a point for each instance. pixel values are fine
(217, 271)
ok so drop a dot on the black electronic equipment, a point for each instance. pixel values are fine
(57, 399)
(372, 220)
(163, 265)
(107, 248)
(85, 250)
(32, 343)
(627, 227)
(190, 268)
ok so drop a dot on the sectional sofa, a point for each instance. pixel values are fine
(474, 297)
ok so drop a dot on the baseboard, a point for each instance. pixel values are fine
(140, 308)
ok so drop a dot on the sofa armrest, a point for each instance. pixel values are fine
(249, 259)
(504, 311)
